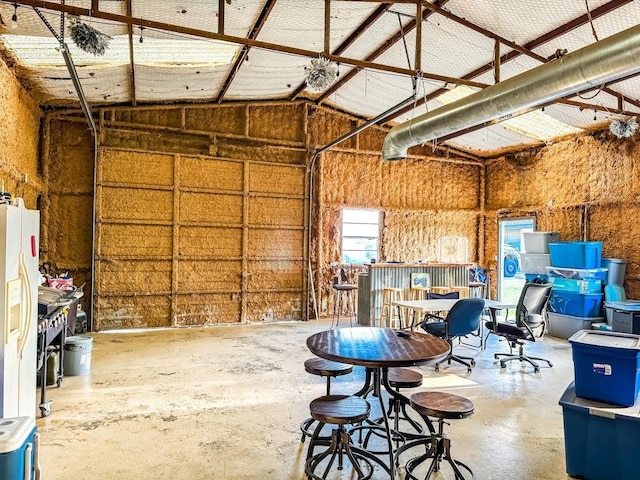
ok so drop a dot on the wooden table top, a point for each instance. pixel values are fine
(377, 347)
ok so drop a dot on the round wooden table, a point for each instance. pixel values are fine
(378, 349)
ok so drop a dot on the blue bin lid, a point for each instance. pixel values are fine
(570, 400)
(600, 338)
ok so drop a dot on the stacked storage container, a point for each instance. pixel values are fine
(600, 409)
(576, 297)
(535, 258)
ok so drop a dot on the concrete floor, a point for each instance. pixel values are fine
(226, 403)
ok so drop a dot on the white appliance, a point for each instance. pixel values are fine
(19, 258)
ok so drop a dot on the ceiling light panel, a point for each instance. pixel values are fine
(490, 139)
(385, 27)
(447, 48)
(521, 21)
(201, 14)
(615, 21)
(307, 31)
(373, 92)
(100, 85)
(160, 84)
(267, 75)
(37, 51)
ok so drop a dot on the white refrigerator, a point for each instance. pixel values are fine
(19, 258)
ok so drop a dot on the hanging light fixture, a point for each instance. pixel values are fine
(321, 73)
(624, 128)
(14, 17)
(88, 38)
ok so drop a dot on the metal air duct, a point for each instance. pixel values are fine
(604, 61)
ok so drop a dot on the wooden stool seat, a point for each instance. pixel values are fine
(324, 368)
(345, 286)
(404, 378)
(338, 410)
(442, 405)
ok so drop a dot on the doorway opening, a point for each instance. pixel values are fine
(511, 278)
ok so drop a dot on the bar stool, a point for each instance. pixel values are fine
(442, 406)
(390, 314)
(463, 292)
(344, 291)
(440, 290)
(402, 378)
(338, 410)
(477, 290)
(323, 368)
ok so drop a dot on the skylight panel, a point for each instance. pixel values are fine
(44, 52)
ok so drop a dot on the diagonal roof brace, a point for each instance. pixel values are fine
(589, 67)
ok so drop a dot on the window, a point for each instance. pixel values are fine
(360, 234)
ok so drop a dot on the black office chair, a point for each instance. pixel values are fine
(529, 316)
(462, 319)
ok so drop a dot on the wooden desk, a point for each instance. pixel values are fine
(378, 349)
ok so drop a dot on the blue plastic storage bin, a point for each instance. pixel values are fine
(576, 254)
(606, 366)
(600, 440)
(575, 304)
(576, 286)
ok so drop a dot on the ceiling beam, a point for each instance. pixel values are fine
(132, 64)
(221, 16)
(350, 40)
(253, 43)
(244, 51)
(390, 42)
(518, 50)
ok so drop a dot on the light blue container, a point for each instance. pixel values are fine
(576, 254)
(577, 286)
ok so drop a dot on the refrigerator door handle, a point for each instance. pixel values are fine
(25, 329)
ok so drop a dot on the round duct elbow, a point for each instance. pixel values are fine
(391, 151)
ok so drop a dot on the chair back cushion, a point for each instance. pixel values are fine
(532, 302)
(464, 316)
(439, 296)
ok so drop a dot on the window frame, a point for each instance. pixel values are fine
(365, 238)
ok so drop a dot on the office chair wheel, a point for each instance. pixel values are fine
(536, 369)
(503, 365)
